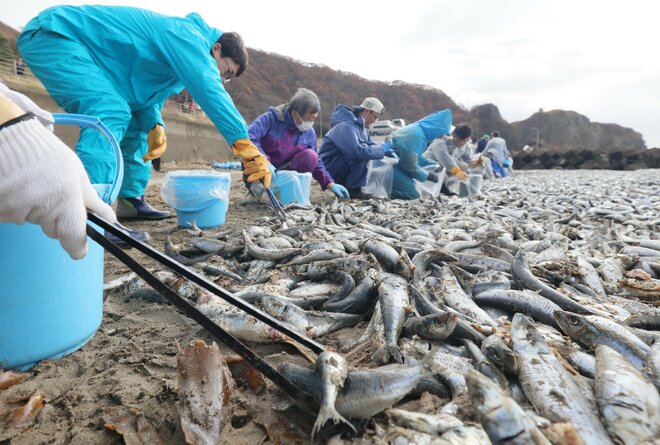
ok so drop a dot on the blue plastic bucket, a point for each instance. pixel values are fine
(291, 187)
(50, 305)
(199, 196)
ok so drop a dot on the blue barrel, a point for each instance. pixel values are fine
(199, 196)
(50, 305)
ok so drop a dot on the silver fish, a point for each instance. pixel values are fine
(628, 402)
(394, 301)
(502, 418)
(549, 387)
(333, 371)
(592, 330)
(454, 296)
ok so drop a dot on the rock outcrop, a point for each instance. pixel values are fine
(562, 131)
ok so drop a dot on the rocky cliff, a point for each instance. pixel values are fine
(561, 131)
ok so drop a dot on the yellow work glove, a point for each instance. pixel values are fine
(157, 142)
(479, 162)
(460, 174)
(255, 164)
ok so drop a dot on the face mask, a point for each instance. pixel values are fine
(305, 126)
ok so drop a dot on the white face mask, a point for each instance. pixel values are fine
(305, 126)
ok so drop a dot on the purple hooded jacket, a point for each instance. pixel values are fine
(276, 135)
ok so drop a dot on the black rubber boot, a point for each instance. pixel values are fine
(138, 208)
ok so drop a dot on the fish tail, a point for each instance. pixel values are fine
(383, 354)
(326, 413)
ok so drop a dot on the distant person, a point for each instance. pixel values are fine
(20, 67)
(347, 148)
(454, 152)
(410, 143)
(121, 64)
(497, 151)
(155, 163)
(481, 145)
(285, 135)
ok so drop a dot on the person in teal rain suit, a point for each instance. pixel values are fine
(121, 64)
(409, 143)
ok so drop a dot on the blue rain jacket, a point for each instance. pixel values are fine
(347, 148)
(276, 135)
(409, 143)
(121, 64)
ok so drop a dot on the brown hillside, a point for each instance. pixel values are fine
(8, 37)
(272, 79)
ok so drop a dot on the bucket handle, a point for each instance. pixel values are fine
(94, 122)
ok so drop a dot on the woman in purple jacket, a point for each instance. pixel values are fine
(285, 135)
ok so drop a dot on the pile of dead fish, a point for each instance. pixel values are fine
(531, 313)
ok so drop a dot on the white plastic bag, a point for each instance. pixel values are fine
(188, 188)
(428, 189)
(470, 188)
(380, 175)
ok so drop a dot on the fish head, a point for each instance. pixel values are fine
(484, 393)
(439, 326)
(499, 353)
(573, 325)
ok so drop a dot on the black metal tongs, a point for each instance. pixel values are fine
(220, 334)
(277, 206)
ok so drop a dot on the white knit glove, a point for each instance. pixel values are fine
(27, 105)
(42, 181)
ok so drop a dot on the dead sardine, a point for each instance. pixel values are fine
(454, 296)
(171, 252)
(333, 371)
(526, 302)
(365, 392)
(266, 254)
(524, 275)
(592, 330)
(424, 423)
(360, 300)
(496, 350)
(503, 419)
(485, 366)
(316, 256)
(394, 301)
(550, 387)
(311, 323)
(435, 327)
(386, 255)
(628, 402)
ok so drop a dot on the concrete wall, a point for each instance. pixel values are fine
(189, 138)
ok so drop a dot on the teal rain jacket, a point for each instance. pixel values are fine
(121, 64)
(409, 143)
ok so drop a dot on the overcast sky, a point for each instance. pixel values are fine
(598, 58)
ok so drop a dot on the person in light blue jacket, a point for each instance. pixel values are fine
(121, 64)
(409, 143)
(347, 148)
